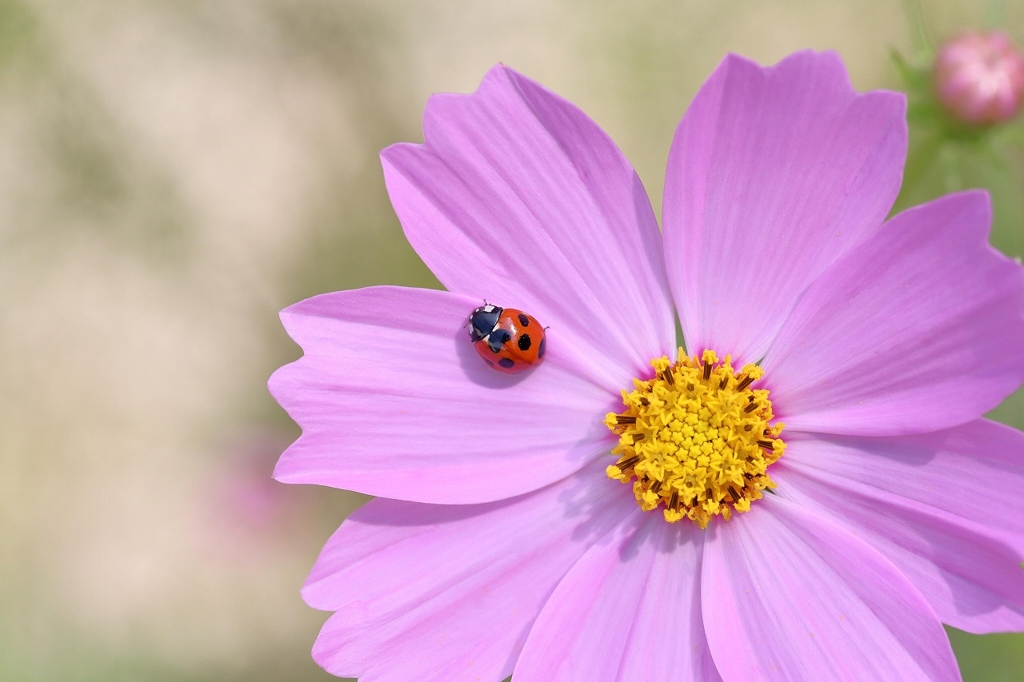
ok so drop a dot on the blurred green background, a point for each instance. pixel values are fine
(172, 173)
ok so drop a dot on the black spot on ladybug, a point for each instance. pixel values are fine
(524, 342)
(506, 363)
(497, 339)
(524, 320)
(542, 348)
(489, 362)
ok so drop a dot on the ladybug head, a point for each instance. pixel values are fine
(483, 320)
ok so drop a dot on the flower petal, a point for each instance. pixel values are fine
(435, 592)
(973, 470)
(516, 196)
(628, 610)
(774, 173)
(918, 329)
(394, 401)
(945, 507)
(788, 596)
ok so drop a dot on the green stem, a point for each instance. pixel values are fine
(952, 178)
(920, 37)
(921, 159)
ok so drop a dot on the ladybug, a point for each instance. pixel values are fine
(507, 339)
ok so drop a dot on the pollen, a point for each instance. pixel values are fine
(697, 439)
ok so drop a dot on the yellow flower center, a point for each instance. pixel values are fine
(696, 439)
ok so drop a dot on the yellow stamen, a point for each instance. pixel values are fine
(696, 439)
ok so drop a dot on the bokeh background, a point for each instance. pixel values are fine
(173, 172)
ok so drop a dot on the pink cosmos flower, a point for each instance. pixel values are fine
(500, 543)
(979, 77)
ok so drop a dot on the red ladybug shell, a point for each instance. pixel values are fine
(515, 343)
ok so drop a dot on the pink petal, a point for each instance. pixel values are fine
(975, 470)
(788, 596)
(628, 610)
(945, 507)
(774, 173)
(518, 197)
(920, 328)
(394, 401)
(430, 592)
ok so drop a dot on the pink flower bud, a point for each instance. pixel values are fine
(979, 77)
